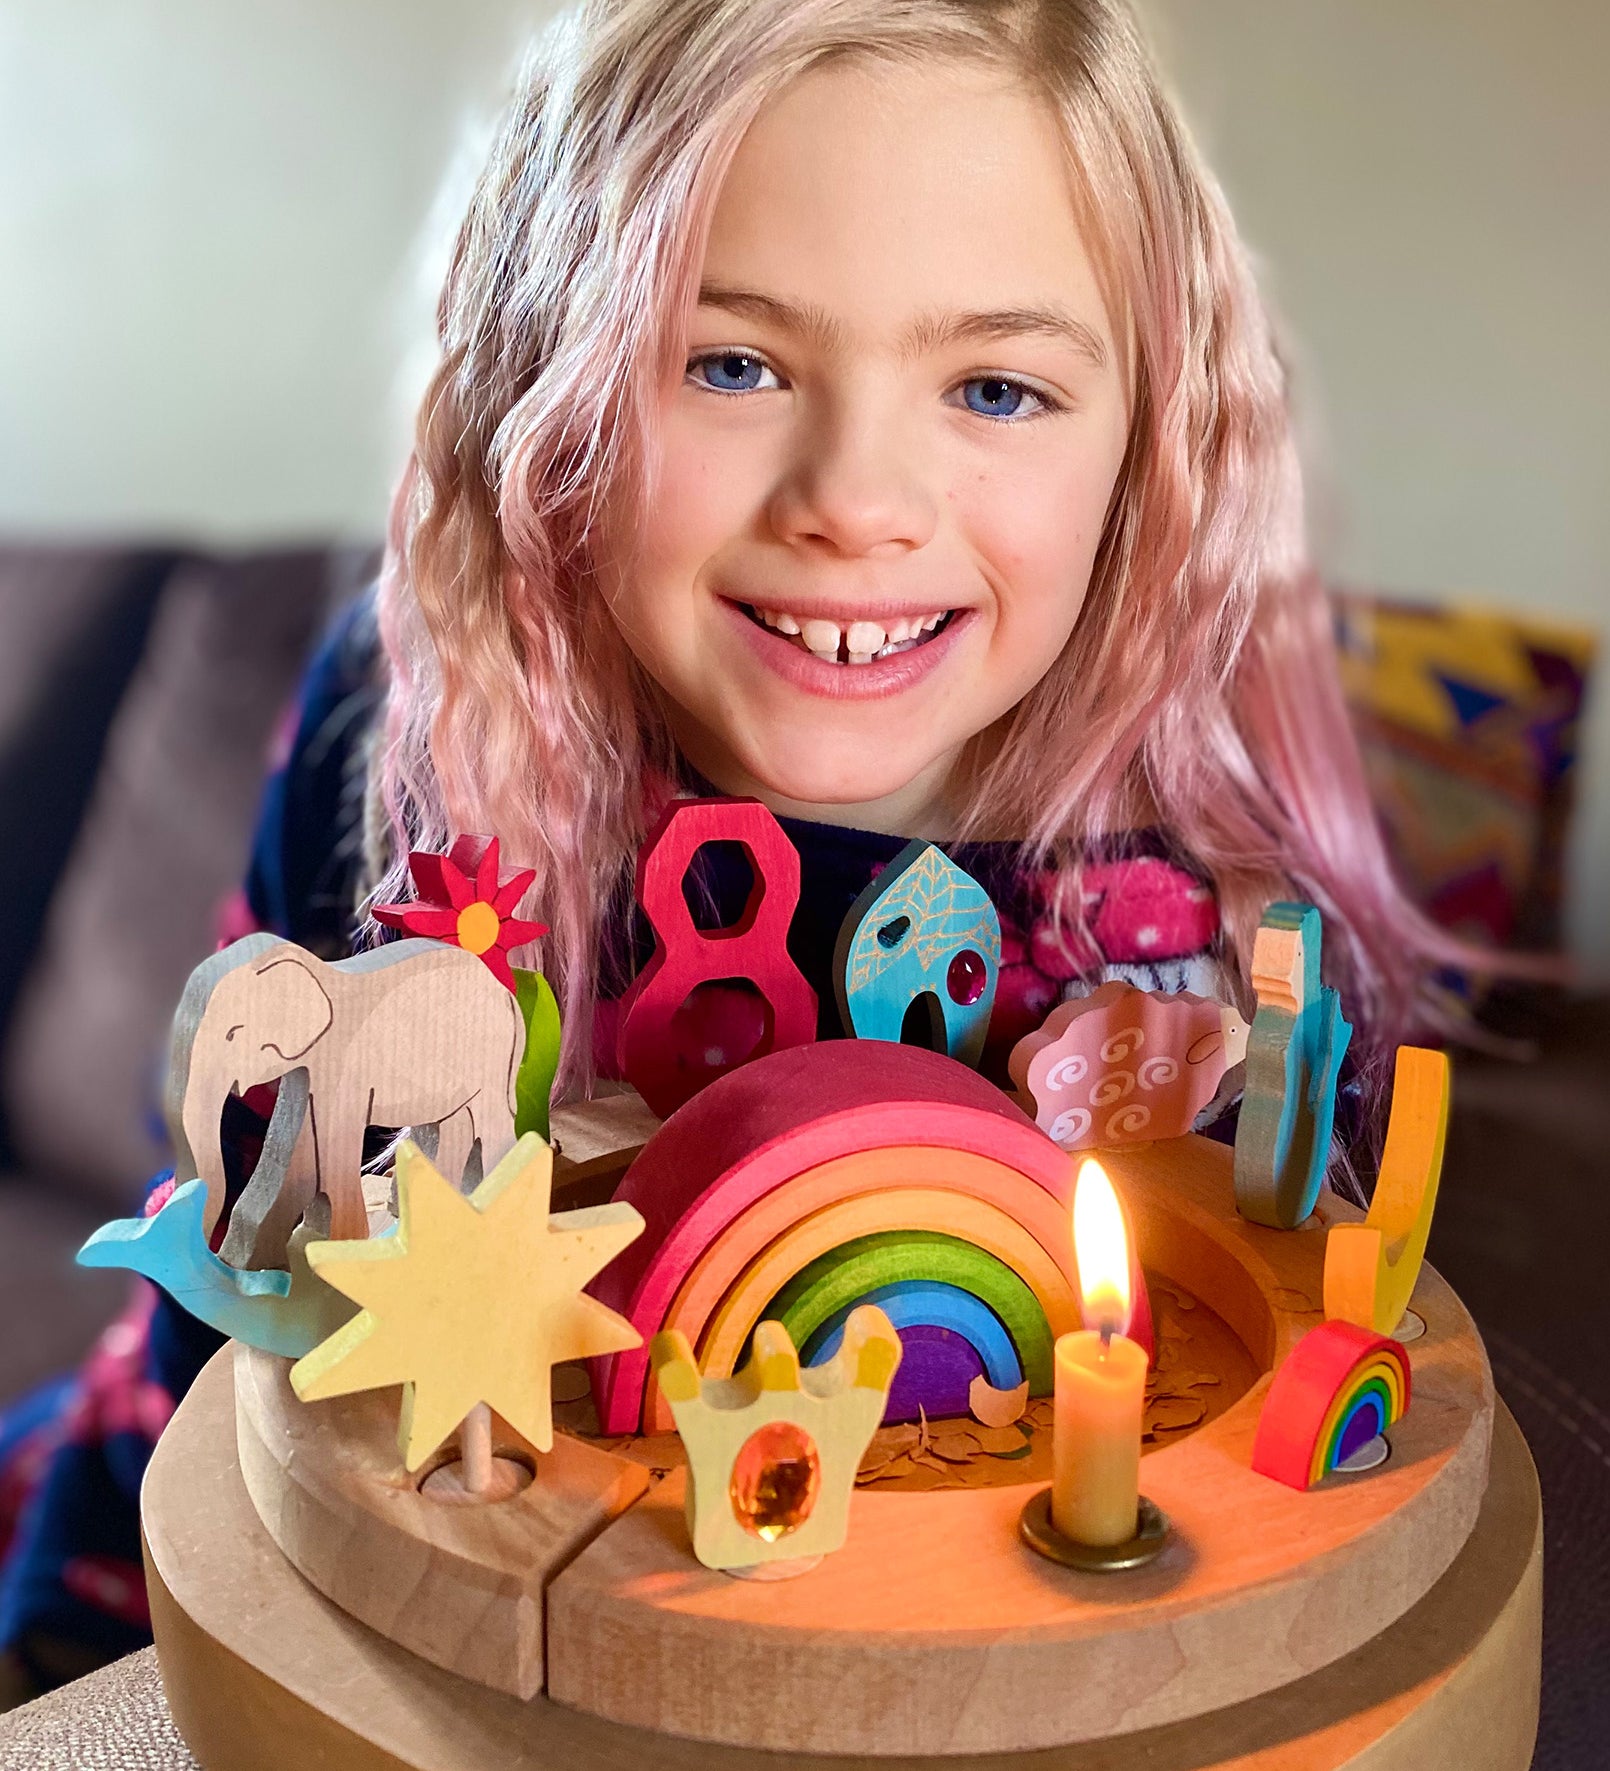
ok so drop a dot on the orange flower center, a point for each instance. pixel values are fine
(478, 926)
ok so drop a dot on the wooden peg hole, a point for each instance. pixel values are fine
(446, 1480)
(791, 1569)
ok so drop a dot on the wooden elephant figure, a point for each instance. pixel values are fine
(415, 1033)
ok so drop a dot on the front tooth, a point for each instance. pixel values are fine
(903, 629)
(822, 638)
(785, 623)
(864, 639)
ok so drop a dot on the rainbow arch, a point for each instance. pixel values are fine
(1339, 1387)
(823, 1176)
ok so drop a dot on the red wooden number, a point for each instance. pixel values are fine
(666, 1069)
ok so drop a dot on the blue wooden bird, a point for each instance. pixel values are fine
(287, 1313)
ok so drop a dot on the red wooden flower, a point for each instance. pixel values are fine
(461, 901)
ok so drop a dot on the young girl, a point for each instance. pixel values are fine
(866, 407)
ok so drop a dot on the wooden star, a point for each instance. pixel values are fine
(473, 1300)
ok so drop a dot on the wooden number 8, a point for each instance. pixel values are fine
(754, 948)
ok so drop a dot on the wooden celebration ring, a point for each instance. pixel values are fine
(461, 1585)
(261, 1672)
(933, 1632)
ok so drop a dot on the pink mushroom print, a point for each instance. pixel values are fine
(1126, 1066)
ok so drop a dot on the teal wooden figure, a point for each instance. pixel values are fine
(1294, 1056)
(923, 930)
(288, 1313)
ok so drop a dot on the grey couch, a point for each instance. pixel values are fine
(139, 689)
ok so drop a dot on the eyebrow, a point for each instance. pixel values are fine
(928, 332)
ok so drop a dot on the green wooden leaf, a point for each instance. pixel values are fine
(534, 1082)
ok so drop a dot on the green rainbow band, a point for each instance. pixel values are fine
(848, 1273)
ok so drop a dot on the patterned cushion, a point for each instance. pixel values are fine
(1469, 720)
(115, 1720)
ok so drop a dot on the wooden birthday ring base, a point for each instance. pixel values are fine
(262, 1673)
(934, 1631)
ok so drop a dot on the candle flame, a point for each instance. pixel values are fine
(1102, 1250)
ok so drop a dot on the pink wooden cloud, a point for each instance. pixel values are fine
(1126, 1066)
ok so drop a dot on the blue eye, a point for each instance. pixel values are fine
(999, 393)
(737, 364)
(738, 372)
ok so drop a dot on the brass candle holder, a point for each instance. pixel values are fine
(1038, 1530)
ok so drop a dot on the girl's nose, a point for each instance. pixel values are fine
(854, 487)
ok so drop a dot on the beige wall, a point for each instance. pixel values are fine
(209, 270)
(1427, 183)
(208, 211)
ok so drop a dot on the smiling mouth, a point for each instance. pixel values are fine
(858, 642)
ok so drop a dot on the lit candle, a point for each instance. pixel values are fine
(1101, 1381)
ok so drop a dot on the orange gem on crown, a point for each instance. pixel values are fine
(776, 1478)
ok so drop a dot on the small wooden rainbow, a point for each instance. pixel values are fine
(1339, 1388)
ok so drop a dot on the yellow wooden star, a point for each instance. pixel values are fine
(472, 1300)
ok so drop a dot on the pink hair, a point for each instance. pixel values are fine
(1199, 687)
